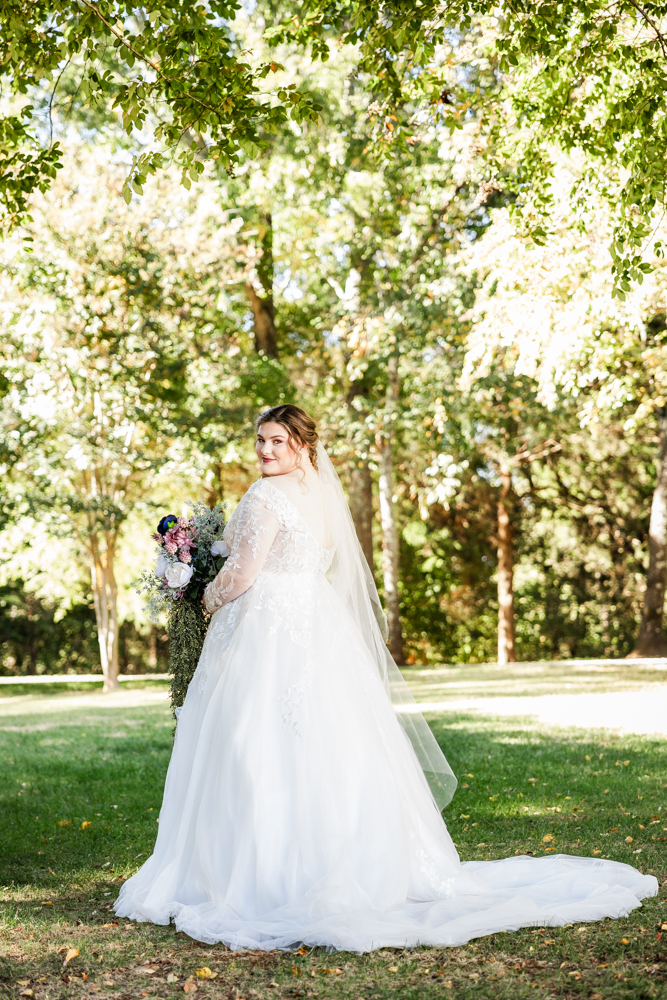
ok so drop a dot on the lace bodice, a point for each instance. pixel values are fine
(265, 534)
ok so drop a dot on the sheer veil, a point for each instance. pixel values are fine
(352, 579)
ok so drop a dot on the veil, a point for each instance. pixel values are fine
(353, 581)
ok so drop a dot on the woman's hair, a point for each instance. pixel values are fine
(300, 427)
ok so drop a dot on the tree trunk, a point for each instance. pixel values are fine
(361, 505)
(105, 598)
(651, 641)
(31, 643)
(216, 492)
(260, 293)
(152, 648)
(388, 518)
(506, 645)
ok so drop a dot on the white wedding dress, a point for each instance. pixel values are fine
(296, 809)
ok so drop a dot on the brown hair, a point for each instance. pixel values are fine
(300, 427)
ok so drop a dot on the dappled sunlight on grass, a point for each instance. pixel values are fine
(489, 680)
(523, 787)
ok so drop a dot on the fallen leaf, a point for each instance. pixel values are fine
(393, 968)
(448, 984)
(597, 850)
(23, 982)
(71, 954)
(190, 985)
(625, 940)
(64, 822)
(547, 838)
(107, 982)
(577, 975)
(114, 923)
(302, 950)
(46, 903)
(26, 993)
(86, 823)
(171, 978)
(205, 973)
(628, 840)
(663, 927)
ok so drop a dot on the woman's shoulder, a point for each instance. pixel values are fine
(274, 498)
(261, 493)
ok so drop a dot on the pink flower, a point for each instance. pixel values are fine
(171, 548)
(184, 555)
(157, 537)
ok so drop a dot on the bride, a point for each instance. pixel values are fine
(302, 802)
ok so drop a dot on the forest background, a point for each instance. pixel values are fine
(451, 255)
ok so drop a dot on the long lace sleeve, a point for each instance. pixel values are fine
(253, 528)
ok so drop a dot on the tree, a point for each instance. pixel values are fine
(570, 335)
(561, 66)
(103, 317)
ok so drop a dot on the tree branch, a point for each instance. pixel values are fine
(658, 34)
(139, 55)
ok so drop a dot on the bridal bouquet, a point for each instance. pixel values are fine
(190, 555)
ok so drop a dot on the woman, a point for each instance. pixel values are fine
(302, 802)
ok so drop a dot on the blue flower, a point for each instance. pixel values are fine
(167, 522)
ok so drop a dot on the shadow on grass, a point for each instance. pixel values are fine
(86, 792)
(587, 793)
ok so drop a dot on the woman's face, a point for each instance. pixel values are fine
(275, 453)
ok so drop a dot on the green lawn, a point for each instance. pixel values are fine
(80, 796)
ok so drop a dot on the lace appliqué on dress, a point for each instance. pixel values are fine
(443, 888)
(291, 702)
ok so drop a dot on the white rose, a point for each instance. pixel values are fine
(220, 549)
(178, 575)
(161, 564)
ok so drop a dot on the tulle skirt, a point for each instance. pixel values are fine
(295, 810)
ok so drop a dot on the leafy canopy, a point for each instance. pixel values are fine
(575, 74)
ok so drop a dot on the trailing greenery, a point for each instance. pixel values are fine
(187, 624)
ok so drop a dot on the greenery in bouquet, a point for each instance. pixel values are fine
(190, 554)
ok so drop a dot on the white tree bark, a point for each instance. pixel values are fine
(506, 643)
(390, 540)
(105, 598)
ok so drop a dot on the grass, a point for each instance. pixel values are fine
(80, 796)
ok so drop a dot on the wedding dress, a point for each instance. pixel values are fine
(302, 801)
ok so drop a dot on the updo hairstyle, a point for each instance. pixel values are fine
(300, 427)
